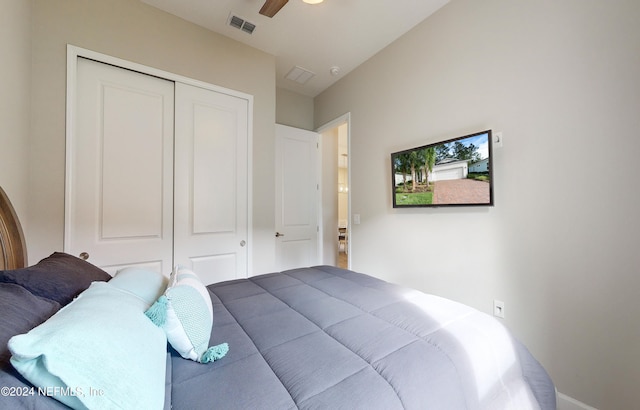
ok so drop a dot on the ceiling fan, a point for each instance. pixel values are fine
(271, 7)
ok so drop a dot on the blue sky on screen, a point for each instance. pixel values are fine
(481, 141)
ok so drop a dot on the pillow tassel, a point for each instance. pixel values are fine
(214, 353)
(158, 311)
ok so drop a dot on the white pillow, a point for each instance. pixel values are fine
(186, 315)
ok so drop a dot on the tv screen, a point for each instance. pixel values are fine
(454, 172)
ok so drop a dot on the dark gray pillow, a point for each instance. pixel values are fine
(60, 277)
(21, 312)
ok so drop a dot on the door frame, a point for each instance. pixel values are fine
(343, 119)
(74, 52)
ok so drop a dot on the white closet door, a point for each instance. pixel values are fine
(211, 183)
(120, 169)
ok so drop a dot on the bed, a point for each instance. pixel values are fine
(310, 338)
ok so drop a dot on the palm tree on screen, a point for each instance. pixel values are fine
(430, 161)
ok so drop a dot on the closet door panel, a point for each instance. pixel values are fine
(131, 164)
(119, 200)
(215, 268)
(211, 183)
(214, 158)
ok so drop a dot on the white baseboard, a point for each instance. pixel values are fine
(569, 403)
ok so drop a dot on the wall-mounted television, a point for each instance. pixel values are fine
(452, 172)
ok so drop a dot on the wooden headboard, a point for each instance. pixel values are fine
(13, 251)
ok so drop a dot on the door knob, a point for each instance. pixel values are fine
(278, 234)
(84, 256)
(243, 243)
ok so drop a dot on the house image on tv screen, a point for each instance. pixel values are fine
(451, 172)
(480, 166)
(449, 169)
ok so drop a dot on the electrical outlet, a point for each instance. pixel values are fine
(498, 308)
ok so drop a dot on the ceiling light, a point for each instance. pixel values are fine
(313, 1)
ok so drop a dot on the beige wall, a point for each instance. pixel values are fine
(294, 110)
(561, 80)
(15, 49)
(133, 31)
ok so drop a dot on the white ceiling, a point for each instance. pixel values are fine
(342, 33)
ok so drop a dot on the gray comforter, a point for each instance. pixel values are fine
(326, 338)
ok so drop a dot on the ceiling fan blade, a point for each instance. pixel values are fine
(271, 7)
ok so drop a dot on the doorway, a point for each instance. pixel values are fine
(336, 193)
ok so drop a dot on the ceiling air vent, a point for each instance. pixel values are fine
(299, 75)
(241, 24)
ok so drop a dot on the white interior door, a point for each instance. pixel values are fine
(211, 183)
(297, 198)
(119, 192)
